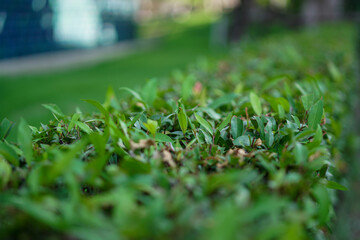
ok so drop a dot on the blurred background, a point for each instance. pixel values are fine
(61, 51)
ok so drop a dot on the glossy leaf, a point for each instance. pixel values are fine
(237, 127)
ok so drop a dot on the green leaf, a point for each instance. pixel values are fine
(204, 123)
(111, 100)
(297, 121)
(5, 128)
(117, 133)
(25, 141)
(224, 123)
(133, 167)
(207, 137)
(237, 127)
(324, 202)
(300, 153)
(34, 209)
(96, 166)
(182, 117)
(308, 101)
(284, 103)
(261, 127)
(224, 100)
(281, 111)
(242, 141)
(5, 173)
(9, 153)
(336, 186)
(149, 91)
(318, 137)
(133, 93)
(64, 159)
(315, 115)
(151, 126)
(187, 86)
(209, 111)
(99, 142)
(54, 109)
(73, 121)
(334, 71)
(84, 127)
(269, 135)
(255, 103)
(160, 137)
(135, 119)
(99, 107)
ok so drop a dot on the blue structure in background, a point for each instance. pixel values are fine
(37, 26)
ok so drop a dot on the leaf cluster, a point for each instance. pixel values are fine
(248, 149)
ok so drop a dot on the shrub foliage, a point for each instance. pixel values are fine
(248, 148)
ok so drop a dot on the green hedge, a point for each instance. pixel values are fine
(248, 148)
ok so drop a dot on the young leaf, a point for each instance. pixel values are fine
(315, 115)
(255, 103)
(204, 123)
(151, 126)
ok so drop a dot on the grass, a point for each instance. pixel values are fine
(22, 96)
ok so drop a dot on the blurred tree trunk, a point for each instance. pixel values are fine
(347, 225)
(315, 11)
(240, 19)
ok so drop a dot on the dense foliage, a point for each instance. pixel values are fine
(249, 148)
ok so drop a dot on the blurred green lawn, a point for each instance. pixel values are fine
(184, 42)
